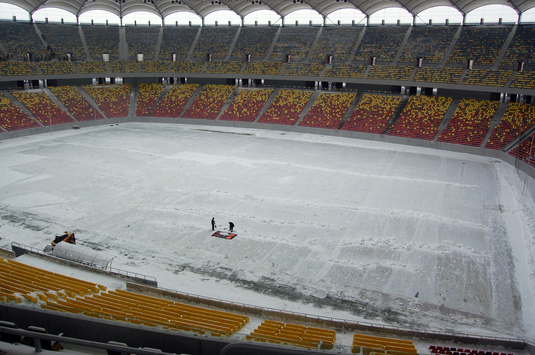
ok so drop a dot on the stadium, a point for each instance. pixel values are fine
(379, 172)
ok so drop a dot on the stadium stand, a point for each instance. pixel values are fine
(389, 72)
(435, 349)
(516, 120)
(470, 122)
(254, 41)
(421, 117)
(146, 98)
(381, 42)
(57, 68)
(525, 151)
(372, 114)
(286, 107)
(123, 66)
(177, 40)
(19, 39)
(524, 80)
(91, 67)
(186, 67)
(12, 118)
(63, 39)
(174, 101)
(142, 40)
(42, 107)
(522, 47)
(354, 71)
(102, 39)
(155, 66)
(223, 67)
(294, 41)
(428, 42)
(328, 110)
(368, 344)
(214, 40)
(438, 75)
(336, 41)
(263, 68)
(487, 77)
(77, 105)
(293, 334)
(303, 69)
(209, 102)
(17, 69)
(247, 105)
(481, 43)
(113, 100)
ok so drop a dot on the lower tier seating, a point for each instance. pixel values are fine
(113, 100)
(12, 118)
(247, 105)
(77, 105)
(174, 101)
(209, 102)
(147, 95)
(42, 107)
(372, 114)
(516, 120)
(328, 110)
(286, 107)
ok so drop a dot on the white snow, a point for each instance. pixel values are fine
(328, 226)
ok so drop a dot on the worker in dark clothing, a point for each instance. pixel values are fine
(213, 223)
(231, 226)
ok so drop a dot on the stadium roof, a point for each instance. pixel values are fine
(202, 8)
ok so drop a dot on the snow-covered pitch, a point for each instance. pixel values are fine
(333, 226)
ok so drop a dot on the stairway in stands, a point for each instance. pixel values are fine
(397, 113)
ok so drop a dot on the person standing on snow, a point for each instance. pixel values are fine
(231, 226)
(213, 223)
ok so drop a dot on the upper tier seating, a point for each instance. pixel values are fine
(177, 40)
(336, 41)
(428, 42)
(355, 71)
(12, 118)
(92, 67)
(155, 66)
(369, 344)
(382, 42)
(75, 102)
(113, 100)
(516, 120)
(372, 114)
(254, 41)
(223, 67)
(304, 69)
(286, 107)
(124, 66)
(438, 75)
(421, 117)
(142, 40)
(487, 77)
(470, 122)
(525, 151)
(524, 80)
(17, 68)
(209, 102)
(146, 98)
(42, 107)
(174, 101)
(56, 68)
(102, 39)
(186, 67)
(214, 40)
(294, 334)
(481, 43)
(247, 105)
(263, 68)
(328, 110)
(389, 72)
(63, 39)
(19, 39)
(522, 47)
(294, 41)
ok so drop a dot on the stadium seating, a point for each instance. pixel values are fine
(328, 110)
(17, 68)
(124, 66)
(247, 105)
(214, 40)
(436, 349)
(223, 67)
(389, 72)
(524, 80)
(372, 114)
(354, 71)
(421, 117)
(91, 67)
(102, 39)
(113, 100)
(177, 40)
(516, 120)
(77, 105)
(286, 107)
(186, 67)
(336, 41)
(262, 68)
(381, 42)
(147, 96)
(42, 107)
(525, 151)
(522, 47)
(56, 68)
(294, 334)
(174, 101)
(428, 42)
(438, 75)
(303, 69)
(470, 122)
(155, 66)
(63, 39)
(209, 102)
(142, 40)
(254, 41)
(487, 77)
(481, 43)
(12, 118)
(368, 344)
(19, 39)
(294, 41)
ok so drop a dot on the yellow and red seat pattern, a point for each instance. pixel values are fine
(113, 100)
(174, 101)
(12, 118)
(247, 105)
(77, 105)
(209, 102)
(286, 107)
(146, 97)
(42, 107)
(372, 114)
(516, 120)
(328, 110)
